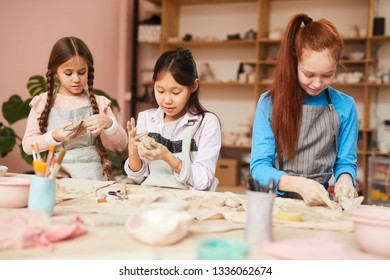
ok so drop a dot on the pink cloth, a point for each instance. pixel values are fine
(319, 247)
(32, 228)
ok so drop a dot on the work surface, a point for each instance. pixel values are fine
(216, 215)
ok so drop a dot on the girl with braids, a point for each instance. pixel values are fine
(185, 139)
(70, 99)
(304, 130)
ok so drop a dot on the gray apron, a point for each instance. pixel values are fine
(317, 145)
(81, 160)
(161, 173)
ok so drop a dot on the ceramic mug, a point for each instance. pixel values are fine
(258, 227)
(42, 194)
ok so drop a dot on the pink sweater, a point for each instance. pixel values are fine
(116, 136)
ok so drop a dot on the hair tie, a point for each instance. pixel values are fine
(308, 20)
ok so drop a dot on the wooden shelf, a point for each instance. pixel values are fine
(263, 47)
(379, 39)
(349, 84)
(226, 84)
(356, 61)
(211, 43)
(235, 147)
(199, 2)
(378, 85)
(367, 129)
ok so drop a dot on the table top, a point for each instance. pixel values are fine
(108, 238)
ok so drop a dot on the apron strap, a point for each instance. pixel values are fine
(187, 137)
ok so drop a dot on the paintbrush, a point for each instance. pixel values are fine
(39, 167)
(48, 160)
(57, 165)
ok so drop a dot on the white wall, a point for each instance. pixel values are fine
(28, 30)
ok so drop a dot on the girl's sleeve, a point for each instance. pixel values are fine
(263, 145)
(32, 134)
(200, 173)
(346, 160)
(115, 134)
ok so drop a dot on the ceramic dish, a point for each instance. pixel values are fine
(372, 213)
(372, 230)
(3, 170)
(14, 192)
(159, 227)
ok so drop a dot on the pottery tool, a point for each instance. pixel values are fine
(117, 194)
(251, 184)
(254, 185)
(57, 165)
(48, 160)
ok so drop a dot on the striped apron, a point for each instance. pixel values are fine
(81, 160)
(317, 145)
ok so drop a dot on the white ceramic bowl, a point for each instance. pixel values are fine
(159, 227)
(372, 230)
(14, 192)
(3, 170)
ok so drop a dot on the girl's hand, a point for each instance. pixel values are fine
(344, 187)
(96, 123)
(134, 139)
(313, 193)
(155, 151)
(63, 133)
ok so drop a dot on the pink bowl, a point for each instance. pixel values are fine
(14, 192)
(372, 230)
(377, 213)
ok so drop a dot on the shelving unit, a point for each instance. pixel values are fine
(379, 181)
(256, 51)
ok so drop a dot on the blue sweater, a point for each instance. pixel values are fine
(263, 142)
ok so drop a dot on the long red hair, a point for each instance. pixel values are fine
(286, 94)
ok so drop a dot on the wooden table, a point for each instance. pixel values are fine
(107, 237)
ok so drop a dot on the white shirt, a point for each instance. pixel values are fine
(207, 135)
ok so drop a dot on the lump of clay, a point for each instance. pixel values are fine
(147, 142)
(75, 128)
(232, 202)
(167, 203)
(289, 216)
(159, 227)
(350, 203)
